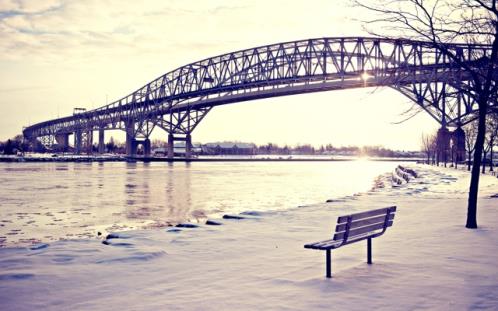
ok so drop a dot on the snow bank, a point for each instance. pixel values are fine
(427, 260)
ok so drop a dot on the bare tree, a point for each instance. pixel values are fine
(485, 150)
(491, 138)
(470, 141)
(441, 22)
(428, 143)
(434, 148)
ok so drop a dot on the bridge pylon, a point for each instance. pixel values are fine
(188, 146)
(131, 147)
(77, 141)
(443, 145)
(180, 126)
(137, 134)
(83, 141)
(458, 144)
(62, 140)
(101, 148)
(171, 145)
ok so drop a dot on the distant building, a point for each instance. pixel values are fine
(178, 149)
(160, 152)
(229, 148)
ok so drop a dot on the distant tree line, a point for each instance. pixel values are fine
(18, 145)
(307, 149)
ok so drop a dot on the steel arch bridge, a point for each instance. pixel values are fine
(178, 100)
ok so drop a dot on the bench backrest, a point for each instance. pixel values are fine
(360, 226)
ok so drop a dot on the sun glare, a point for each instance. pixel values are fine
(365, 76)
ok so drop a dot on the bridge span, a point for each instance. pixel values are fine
(178, 100)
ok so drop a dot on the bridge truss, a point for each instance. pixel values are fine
(178, 100)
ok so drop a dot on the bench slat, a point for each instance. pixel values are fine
(358, 216)
(322, 245)
(362, 237)
(362, 230)
(363, 222)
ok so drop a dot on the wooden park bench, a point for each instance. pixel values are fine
(354, 228)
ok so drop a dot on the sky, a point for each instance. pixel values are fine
(59, 54)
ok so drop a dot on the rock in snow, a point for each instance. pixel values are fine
(233, 217)
(116, 236)
(174, 230)
(112, 236)
(186, 226)
(251, 213)
(38, 246)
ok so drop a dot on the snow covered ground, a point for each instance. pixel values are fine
(427, 260)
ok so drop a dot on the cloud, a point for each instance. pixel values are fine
(37, 6)
(9, 5)
(17, 21)
(222, 9)
(113, 32)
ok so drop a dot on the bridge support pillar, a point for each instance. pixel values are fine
(131, 144)
(171, 146)
(131, 147)
(146, 144)
(458, 144)
(89, 141)
(63, 141)
(101, 148)
(77, 141)
(188, 146)
(443, 145)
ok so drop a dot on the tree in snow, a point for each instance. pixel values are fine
(440, 22)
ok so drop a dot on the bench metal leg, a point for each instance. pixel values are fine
(328, 258)
(369, 251)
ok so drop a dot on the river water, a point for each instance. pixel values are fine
(44, 202)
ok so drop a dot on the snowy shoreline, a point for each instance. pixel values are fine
(427, 260)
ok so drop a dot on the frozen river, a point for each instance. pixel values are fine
(43, 202)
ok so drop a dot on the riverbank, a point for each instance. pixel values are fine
(62, 158)
(122, 158)
(427, 260)
(272, 159)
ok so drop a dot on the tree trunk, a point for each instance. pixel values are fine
(491, 158)
(468, 161)
(476, 165)
(484, 162)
